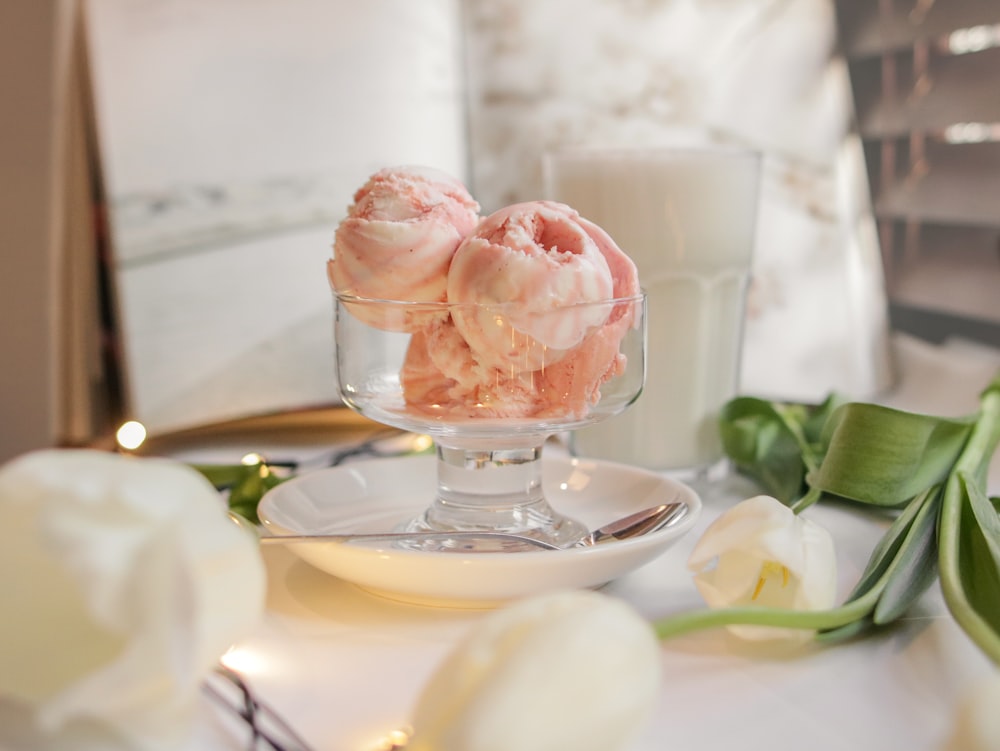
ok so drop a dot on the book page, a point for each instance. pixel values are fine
(234, 134)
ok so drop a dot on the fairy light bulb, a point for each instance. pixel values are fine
(131, 435)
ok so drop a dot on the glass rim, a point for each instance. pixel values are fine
(350, 298)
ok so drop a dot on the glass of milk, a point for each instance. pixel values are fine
(687, 217)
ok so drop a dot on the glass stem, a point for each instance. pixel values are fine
(482, 488)
(493, 478)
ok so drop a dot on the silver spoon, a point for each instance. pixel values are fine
(636, 524)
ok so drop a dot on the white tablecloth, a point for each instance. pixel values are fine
(345, 667)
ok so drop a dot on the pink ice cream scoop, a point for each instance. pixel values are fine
(441, 378)
(398, 238)
(538, 258)
(532, 329)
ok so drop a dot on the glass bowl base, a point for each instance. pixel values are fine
(536, 520)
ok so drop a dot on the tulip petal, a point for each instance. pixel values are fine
(132, 582)
(575, 670)
(760, 553)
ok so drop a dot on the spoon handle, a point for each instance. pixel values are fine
(414, 536)
(637, 524)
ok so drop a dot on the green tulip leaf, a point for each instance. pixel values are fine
(979, 553)
(756, 440)
(986, 547)
(888, 548)
(246, 493)
(915, 565)
(969, 534)
(221, 475)
(774, 444)
(900, 568)
(814, 425)
(885, 457)
(247, 484)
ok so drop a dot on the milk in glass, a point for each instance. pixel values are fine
(687, 218)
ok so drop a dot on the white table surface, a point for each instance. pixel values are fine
(345, 667)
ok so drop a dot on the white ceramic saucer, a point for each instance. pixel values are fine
(377, 495)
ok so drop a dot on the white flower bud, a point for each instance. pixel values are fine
(124, 582)
(576, 670)
(760, 552)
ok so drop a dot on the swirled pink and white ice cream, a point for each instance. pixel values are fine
(536, 257)
(400, 234)
(530, 329)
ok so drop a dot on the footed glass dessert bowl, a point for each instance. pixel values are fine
(490, 383)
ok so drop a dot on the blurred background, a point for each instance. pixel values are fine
(173, 172)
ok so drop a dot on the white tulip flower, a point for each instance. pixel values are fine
(576, 670)
(761, 553)
(124, 582)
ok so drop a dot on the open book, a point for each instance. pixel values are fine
(232, 137)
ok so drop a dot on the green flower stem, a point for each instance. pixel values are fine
(811, 496)
(970, 471)
(978, 452)
(815, 620)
